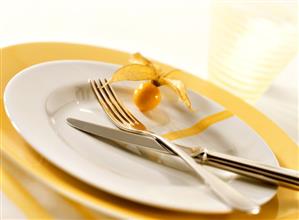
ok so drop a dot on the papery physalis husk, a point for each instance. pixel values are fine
(137, 58)
(179, 88)
(143, 69)
(134, 72)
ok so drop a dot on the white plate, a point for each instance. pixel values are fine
(40, 98)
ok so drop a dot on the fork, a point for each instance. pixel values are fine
(125, 120)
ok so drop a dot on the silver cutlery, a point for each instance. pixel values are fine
(275, 175)
(124, 120)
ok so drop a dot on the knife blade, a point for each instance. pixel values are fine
(275, 175)
(115, 134)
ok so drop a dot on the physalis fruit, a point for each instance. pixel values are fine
(147, 96)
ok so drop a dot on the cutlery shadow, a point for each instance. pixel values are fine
(157, 159)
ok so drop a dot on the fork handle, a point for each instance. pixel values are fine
(276, 175)
(222, 189)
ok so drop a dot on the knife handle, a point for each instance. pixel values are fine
(276, 175)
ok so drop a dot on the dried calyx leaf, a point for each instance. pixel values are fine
(179, 88)
(143, 69)
(168, 74)
(137, 58)
(134, 72)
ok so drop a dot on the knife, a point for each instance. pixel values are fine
(274, 175)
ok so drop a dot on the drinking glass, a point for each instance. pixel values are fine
(251, 42)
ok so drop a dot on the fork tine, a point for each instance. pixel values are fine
(105, 106)
(119, 103)
(101, 89)
(112, 103)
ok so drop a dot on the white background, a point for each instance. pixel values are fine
(172, 31)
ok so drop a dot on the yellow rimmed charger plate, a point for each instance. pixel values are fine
(16, 58)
